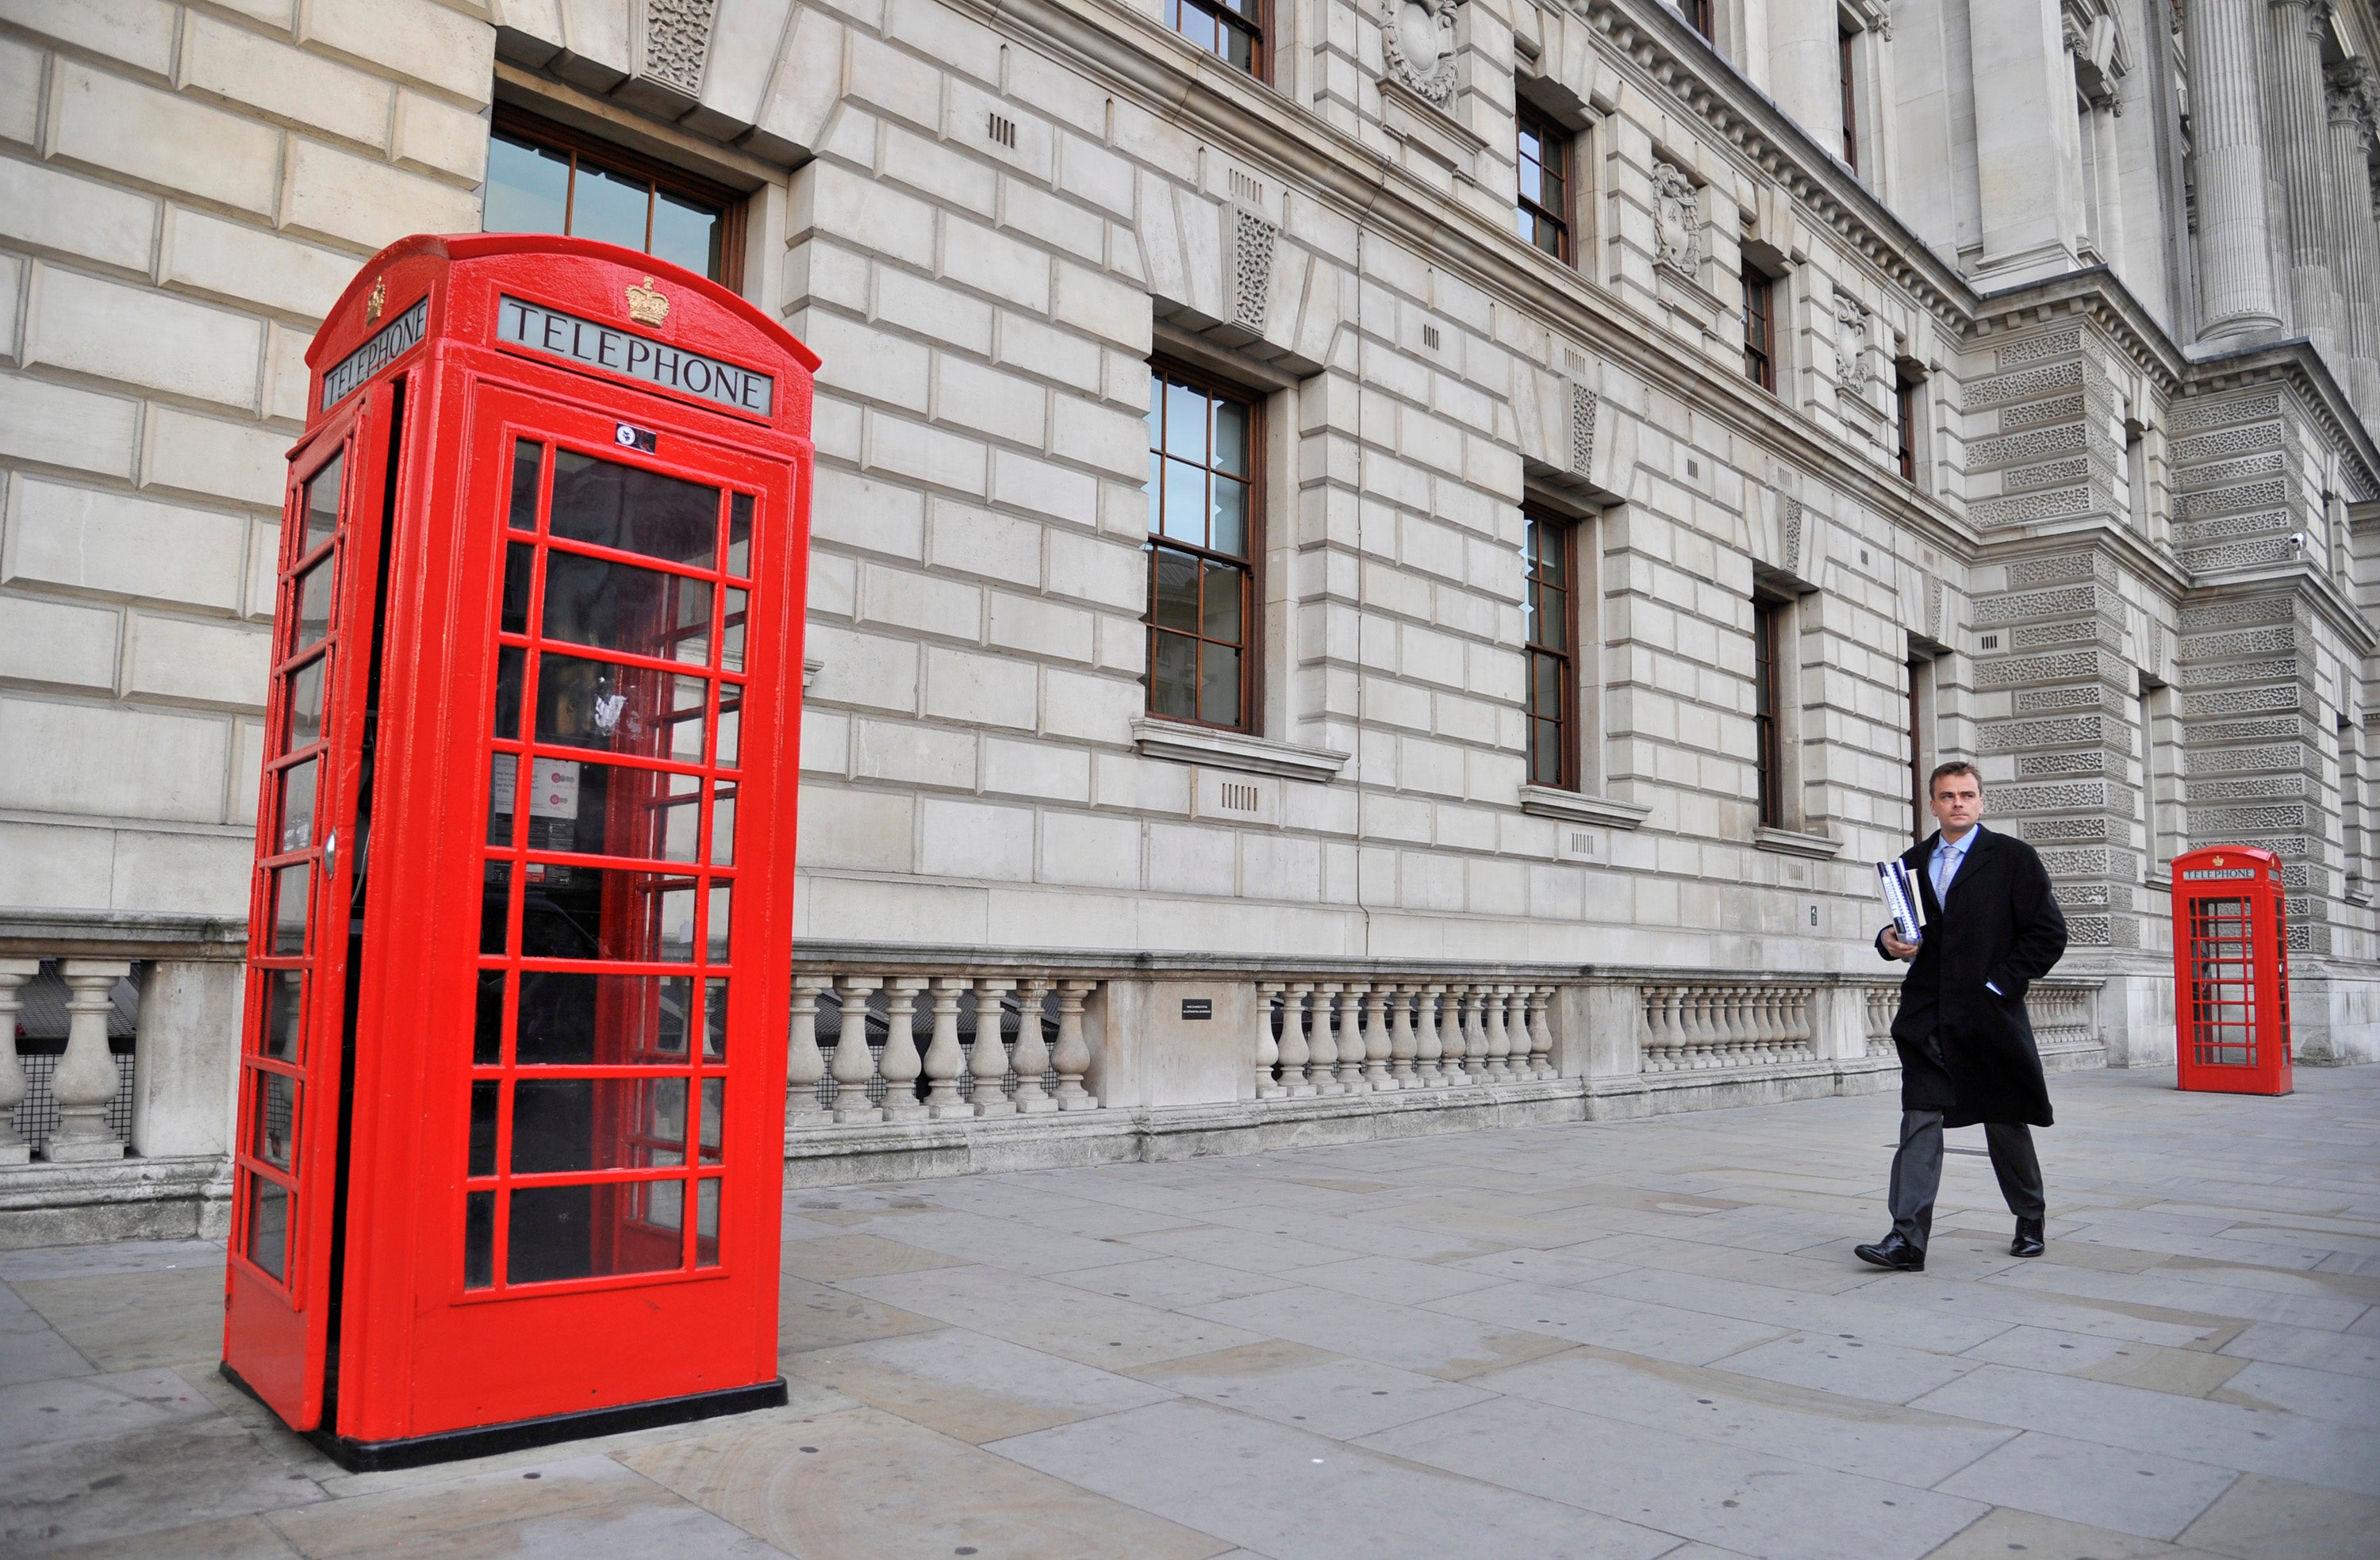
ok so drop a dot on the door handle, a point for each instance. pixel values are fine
(330, 854)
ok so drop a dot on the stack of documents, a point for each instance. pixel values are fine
(1903, 899)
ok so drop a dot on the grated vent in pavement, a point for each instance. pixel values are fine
(1611, 1339)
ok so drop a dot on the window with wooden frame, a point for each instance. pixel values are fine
(1231, 30)
(1204, 500)
(1768, 618)
(1543, 212)
(1846, 42)
(544, 177)
(1759, 329)
(1904, 418)
(1549, 634)
(1703, 16)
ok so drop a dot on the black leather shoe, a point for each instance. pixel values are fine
(2028, 1241)
(1894, 1252)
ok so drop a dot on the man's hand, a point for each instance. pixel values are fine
(1896, 947)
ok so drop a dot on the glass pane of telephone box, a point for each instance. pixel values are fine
(600, 809)
(606, 912)
(572, 1018)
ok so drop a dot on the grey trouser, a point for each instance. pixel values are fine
(1917, 1172)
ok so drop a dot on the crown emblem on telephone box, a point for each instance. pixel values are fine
(646, 306)
(374, 304)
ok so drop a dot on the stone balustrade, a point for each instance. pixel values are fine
(935, 1045)
(1356, 1036)
(1695, 1026)
(71, 1106)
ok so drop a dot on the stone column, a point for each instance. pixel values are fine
(14, 972)
(2235, 292)
(987, 1060)
(1805, 67)
(85, 1080)
(2304, 161)
(2354, 99)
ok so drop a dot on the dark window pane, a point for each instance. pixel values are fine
(554, 1233)
(495, 900)
(529, 187)
(488, 1020)
(1232, 437)
(528, 460)
(298, 805)
(511, 672)
(629, 709)
(275, 1136)
(714, 1024)
(714, 1110)
(268, 1227)
(1173, 675)
(739, 536)
(687, 232)
(571, 1019)
(479, 1240)
(1553, 618)
(1219, 686)
(323, 506)
(1239, 48)
(306, 705)
(486, 1096)
(606, 912)
(611, 606)
(1221, 607)
(609, 206)
(1174, 602)
(1545, 685)
(520, 566)
(606, 504)
(285, 992)
(597, 1124)
(290, 887)
(314, 602)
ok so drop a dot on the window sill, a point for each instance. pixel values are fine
(1791, 842)
(1578, 807)
(1186, 743)
(2159, 880)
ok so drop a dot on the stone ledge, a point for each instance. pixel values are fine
(1234, 750)
(176, 1198)
(1792, 842)
(1577, 808)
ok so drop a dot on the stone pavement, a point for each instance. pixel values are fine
(1624, 1339)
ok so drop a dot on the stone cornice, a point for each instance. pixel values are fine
(2296, 364)
(2099, 296)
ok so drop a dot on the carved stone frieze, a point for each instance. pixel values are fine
(1417, 42)
(677, 40)
(1583, 403)
(1677, 218)
(1853, 368)
(1253, 242)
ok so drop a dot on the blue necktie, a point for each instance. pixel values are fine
(1946, 863)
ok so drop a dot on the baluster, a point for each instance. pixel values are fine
(1429, 1045)
(1453, 1047)
(1295, 1053)
(1267, 1048)
(1659, 1027)
(1516, 1032)
(805, 1065)
(855, 1063)
(1073, 1057)
(1401, 1039)
(1541, 1032)
(1355, 1039)
(1499, 1044)
(86, 1079)
(1743, 1037)
(1707, 1033)
(944, 1058)
(14, 972)
(988, 1062)
(1321, 1039)
(1475, 1035)
(901, 1064)
(1032, 1058)
(1760, 1016)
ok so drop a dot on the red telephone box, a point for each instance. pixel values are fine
(2231, 971)
(510, 1106)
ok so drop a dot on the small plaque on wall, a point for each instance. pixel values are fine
(1197, 1007)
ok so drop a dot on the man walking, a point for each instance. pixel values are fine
(1992, 928)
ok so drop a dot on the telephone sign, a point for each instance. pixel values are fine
(512, 1086)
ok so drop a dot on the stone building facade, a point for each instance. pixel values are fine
(1442, 530)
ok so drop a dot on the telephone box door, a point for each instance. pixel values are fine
(2231, 971)
(278, 1289)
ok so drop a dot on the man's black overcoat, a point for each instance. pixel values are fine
(1964, 1051)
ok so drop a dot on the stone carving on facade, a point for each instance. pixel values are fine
(1853, 368)
(1677, 219)
(1583, 403)
(677, 40)
(1790, 527)
(1253, 242)
(1417, 42)
(2102, 57)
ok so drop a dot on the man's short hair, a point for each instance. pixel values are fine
(1955, 766)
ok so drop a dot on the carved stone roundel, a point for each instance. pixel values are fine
(1417, 42)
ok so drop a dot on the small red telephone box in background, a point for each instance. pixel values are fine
(2231, 971)
(512, 1088)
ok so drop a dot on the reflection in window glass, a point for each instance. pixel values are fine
(686, 233)
(314, 602)
(739, 536)
(290, 887)
(274, 1138)
(611, 606)
(323, 506)
(298, 805)
(563, 1124)
(528, 187)
(512, 670)
(538, 182)
(284, 994)
(706, 1223)
(305, 707)
(714, 1032)
(609, 208)
(627, 710)
(1202, 464)
(722, 826)
(605, 503)
(571, 1018)
(607, 912)
(268, 1227)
